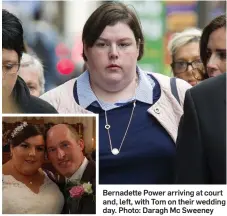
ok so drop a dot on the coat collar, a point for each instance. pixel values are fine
(90, 172)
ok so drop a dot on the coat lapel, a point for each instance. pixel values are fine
(85, 205)
(89, 172)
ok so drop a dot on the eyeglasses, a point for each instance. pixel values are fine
(182, 66)
(10, 68)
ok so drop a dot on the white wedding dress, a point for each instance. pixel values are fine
(17, 198)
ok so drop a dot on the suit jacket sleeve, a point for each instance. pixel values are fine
(190, 161)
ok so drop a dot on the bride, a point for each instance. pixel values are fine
(26, 188)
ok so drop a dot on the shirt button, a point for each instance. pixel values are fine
(156, 110)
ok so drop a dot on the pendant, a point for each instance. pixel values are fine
(30, 182)
(107, 126)
(115, 151)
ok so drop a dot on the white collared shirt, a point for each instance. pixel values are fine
(78, 174)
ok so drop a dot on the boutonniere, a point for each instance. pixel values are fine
(76, 190)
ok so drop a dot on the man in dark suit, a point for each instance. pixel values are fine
(66, 153)
(201, 142)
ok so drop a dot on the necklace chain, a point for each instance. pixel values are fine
(30, 181)
(116, 151)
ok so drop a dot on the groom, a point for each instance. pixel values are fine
(66, 153)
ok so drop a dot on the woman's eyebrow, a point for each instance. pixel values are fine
(126, 38)
(101, 38)
(220, 50)
(9, 61)
(121, 39)
(217, 50)
(31, 144)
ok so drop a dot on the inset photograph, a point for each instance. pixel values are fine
(49, 165)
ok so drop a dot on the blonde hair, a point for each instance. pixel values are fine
(34, 62)
(180, 39)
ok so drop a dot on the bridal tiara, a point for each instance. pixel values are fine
(19, 129)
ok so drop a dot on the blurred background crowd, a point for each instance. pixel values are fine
(52, 32)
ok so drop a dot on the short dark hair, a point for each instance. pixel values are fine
(12, 33)
(215, 24)
(111, 13)
(26, 132)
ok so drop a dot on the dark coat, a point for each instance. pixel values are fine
(201, 142)
(28, 103)
(87, 204)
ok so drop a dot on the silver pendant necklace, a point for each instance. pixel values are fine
(116, 151)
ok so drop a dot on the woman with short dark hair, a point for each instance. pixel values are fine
(138, 114)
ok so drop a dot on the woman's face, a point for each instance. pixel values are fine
(31, 77)
(113, 57)
(216, 52)
(28, 157)
(188, 53)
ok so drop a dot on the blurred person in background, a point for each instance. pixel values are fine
(42, 37)
(184, 50)
(31, 71)
(14, 88)
(114, 87)
(213, 46)
(201, 142)
(40, 34)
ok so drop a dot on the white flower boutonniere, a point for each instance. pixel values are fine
(87, 188)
